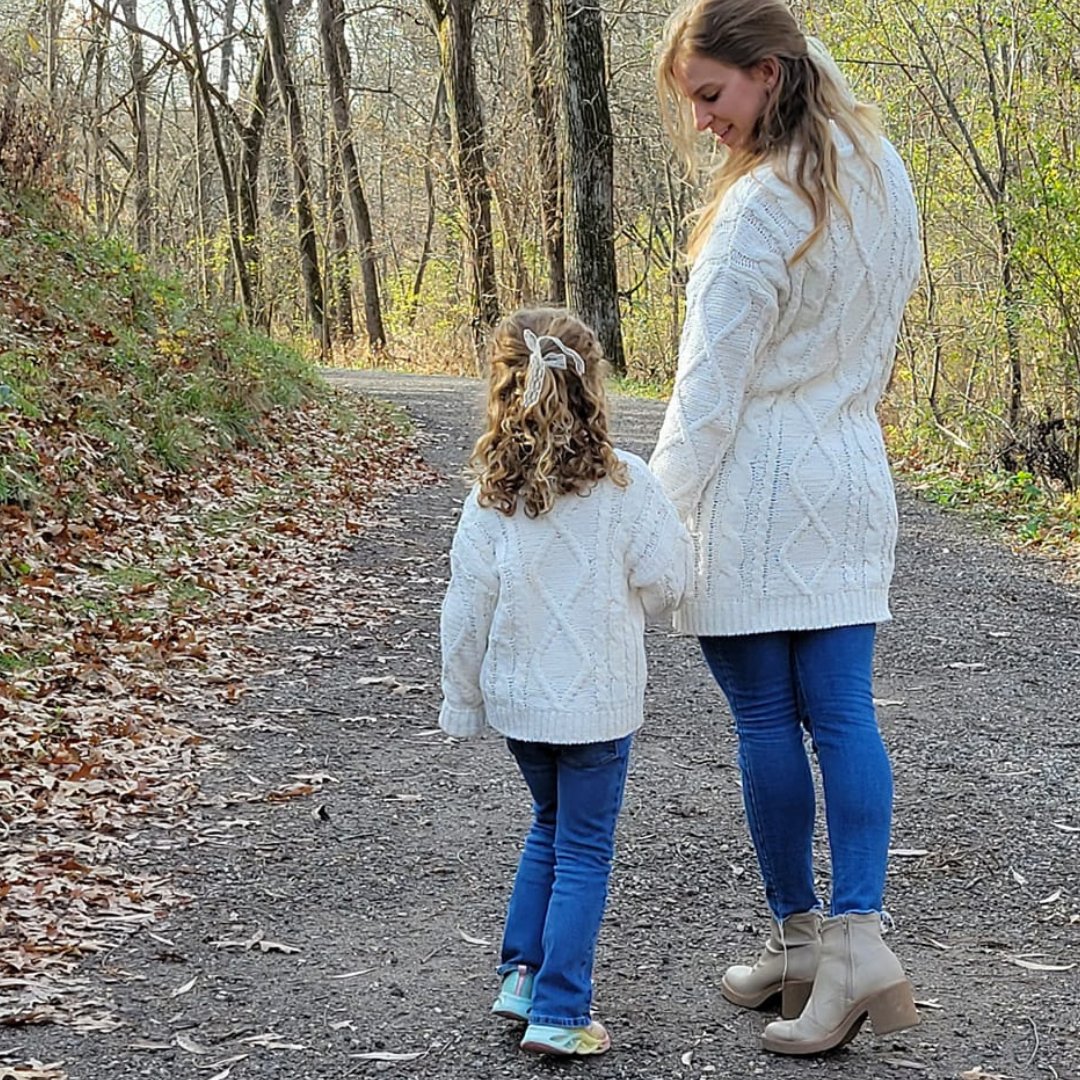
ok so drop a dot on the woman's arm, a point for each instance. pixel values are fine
(733, 301)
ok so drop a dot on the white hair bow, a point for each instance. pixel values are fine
(540, 361)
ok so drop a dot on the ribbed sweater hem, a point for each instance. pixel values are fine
(567, 728)
(762, 616)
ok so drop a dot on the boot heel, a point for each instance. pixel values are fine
(793, 998)
(893, 1009)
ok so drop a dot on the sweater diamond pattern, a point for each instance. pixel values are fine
(771, 448)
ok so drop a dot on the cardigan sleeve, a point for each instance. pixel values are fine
(467, 612)
(661, 553)
(733, 301)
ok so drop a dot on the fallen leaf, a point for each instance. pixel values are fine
(295, 792)
(228, 1061)
(33, 1070)
(1034, 965)
(185, 987)
(1053, 898)
(185, 1042)
(1018, 877)
(473, 940)
(386, 1055)
(271, 1041)
(277, 946)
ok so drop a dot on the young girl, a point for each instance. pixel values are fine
(564, 545)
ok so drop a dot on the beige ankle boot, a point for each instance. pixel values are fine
(786, 967)
(857, 976)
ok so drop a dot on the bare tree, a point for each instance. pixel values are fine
(247, 187)
(437, 112)
(539, 56)
(453, 21)
(592, 285)
(206, 92)
(301, 169)
(339, 289)
(337, 64)
(143, 211)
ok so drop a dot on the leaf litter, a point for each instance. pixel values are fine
(144, 607)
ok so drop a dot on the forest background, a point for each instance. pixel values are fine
(375, 183)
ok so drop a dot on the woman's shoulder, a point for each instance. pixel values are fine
(760, 217)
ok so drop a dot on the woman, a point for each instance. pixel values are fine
(804, 257)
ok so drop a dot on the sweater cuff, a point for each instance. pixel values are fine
(461, 722)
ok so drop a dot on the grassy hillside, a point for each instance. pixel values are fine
(170, 486)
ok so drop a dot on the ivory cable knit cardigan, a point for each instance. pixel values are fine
(543, 621)
(770, 448)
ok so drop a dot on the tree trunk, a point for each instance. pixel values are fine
(454, 25)
(338, 64)
(99, 30)
(305, 216)
(251, 137)
(203, 83)
(538, 53)
(340, 277)
(228, 30)
(429, 191)
(592, 287)
(139, 82)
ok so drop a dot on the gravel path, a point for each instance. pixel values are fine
(365, 918)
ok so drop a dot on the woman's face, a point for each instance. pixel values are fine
(726, 100)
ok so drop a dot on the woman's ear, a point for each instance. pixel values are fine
(768, 70)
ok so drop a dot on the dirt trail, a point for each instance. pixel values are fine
(365, 918)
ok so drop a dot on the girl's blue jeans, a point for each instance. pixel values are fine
(560, 890)
(818, 681)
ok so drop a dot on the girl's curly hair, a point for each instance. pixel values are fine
(559, 445)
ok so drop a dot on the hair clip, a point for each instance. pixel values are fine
(540, 361)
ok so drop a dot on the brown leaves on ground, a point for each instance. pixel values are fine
(116, 621)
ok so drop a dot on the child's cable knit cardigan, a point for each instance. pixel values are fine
(544, 618)
(771, 448)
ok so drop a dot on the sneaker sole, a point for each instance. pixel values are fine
(591, 1047)
(510, 1014)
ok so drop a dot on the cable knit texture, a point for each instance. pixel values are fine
(771, 448)
(544, 618)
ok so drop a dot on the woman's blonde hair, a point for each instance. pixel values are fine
(810, 91)
(557, 446)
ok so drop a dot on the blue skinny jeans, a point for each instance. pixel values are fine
(818, 681)
(561, 886)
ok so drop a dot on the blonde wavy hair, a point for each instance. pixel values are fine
(810, 91)
(558, 446)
